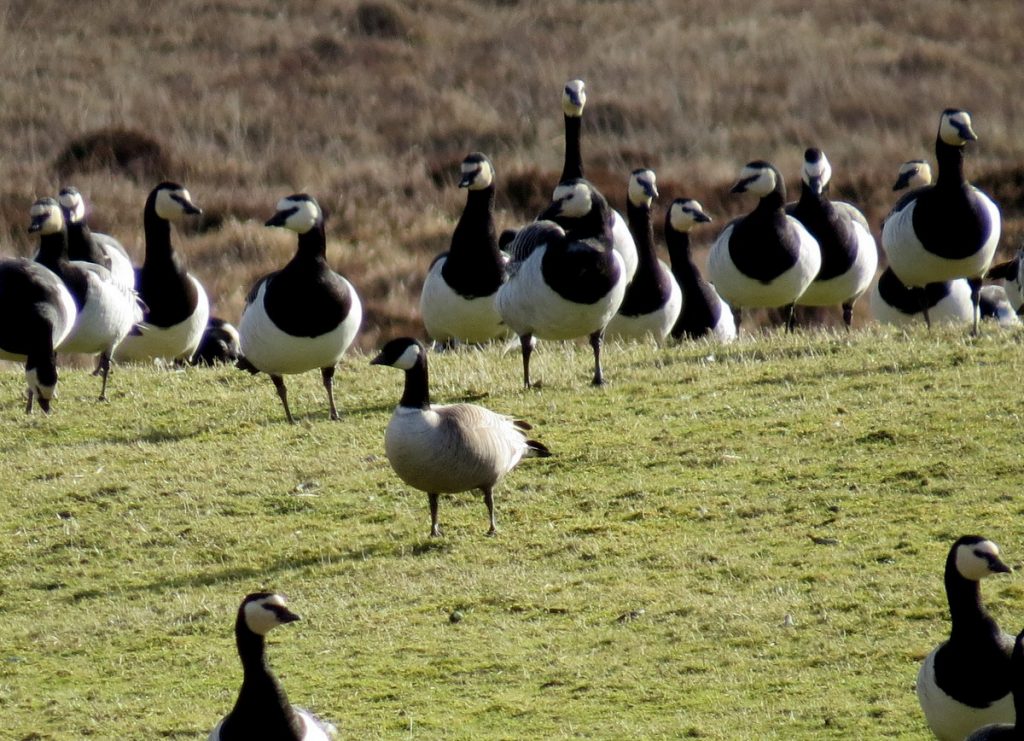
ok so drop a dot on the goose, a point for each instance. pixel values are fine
(652, 300)
(994, 304)
(894, 303)
(703, 312)
(89, 246)
(457, 299)
(1013, 281)
(565, 280)
(849, 255)
(262, 709)
(1009, 731)
(177, 307)
(964, 682)
(913, 174)
(107, 310)
(947, 230)
(38, 312)
(303, 316)
(219, 344)
(448, 448)
(766, 258)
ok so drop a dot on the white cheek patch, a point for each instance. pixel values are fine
(259, 619)
(972, 566)
(74, 204)
(409, 358)
(51, 213)
(575, 199)
(820, 169)
(305, 216)
(574, 89)
(42, 390)
(952, 125)
(639, 185)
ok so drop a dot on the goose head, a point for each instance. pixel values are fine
(300, 213)
(70, 199)
(574, 97)
(172, 202)
(760, 178)
(643, 188)
(572, 199)
(816, 172)
(955, 127)
(913, 174)
(477, 172)
(975, 557)
(41, 377)
(403, 353)
(46, 217)
(686, 213)
(260, 612)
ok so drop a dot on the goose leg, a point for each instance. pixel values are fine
(526, 341)
(924, 307)
(103, 368)
(596, 340)
(848, 315)
(328, 376)
(790, 318)
(975, 284)
(283, 393)
(435, 526)
(737, 317)
(489, 501)
(28, 406)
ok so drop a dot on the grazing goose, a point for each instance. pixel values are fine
(1009, 731)
(565, 280)
(303, 316)
(1013, 281)
(107, 309)
(457, 300)
(766, 258)
(947, 230)
(452, 447)
(894, 303)
(703, 312)
(262, 709)
(219, 344)
(38, 313)
(177, 307)
(89, 246)
(652, 300)
(849, 255)
(994, 304)
(965, 682)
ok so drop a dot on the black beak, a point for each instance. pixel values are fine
(37, 223)
(44, 404)
(903, 180)
(552, 212)
(379, 360)
(701, 218)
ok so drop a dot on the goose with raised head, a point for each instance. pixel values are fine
(1009, 731)
(448, 448)
(305, 315)
(88, 246)
(913, 174)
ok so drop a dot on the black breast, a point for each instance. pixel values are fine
(169, 294)
(763, 246)
(834, 233)
(909, 300)
(647, 293)
(583, 271)
(307, 299)
(951, 222)
(976, 672)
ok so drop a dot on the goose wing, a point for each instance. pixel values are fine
(529, 238)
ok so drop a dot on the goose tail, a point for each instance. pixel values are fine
(537, 449)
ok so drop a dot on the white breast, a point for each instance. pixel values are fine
(447, 315)
(853, 282)
(622, 242)
(109, 312)
(949, 719)
(178, 341)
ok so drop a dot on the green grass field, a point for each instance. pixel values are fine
(740, 542)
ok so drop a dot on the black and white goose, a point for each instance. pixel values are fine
(89, 246)
(38, 313)
(849, 255)
(457, 300)
(947, 230)
(448, 448)
(703, 313)
(913, 174)
(565, 279)
(1009, 731)
(964, 683)
(652, 300)
(107, 309)
(766, 259)
(262, 709)
(220, 343)
(1010, 272)
(177, 307)
(894, 303)
(305, 315)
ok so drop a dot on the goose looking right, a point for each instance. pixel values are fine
(89, 246)
(1009, 731)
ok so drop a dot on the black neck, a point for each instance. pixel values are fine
(774, 201)
(313, 244)
(81, 245)
(950, 160)
(573, 167)
(966, 612)
(683, 267)
(262, 697)
(53, 249)
(639, 220)
(158, 238)
(475, 234)
(416, 394)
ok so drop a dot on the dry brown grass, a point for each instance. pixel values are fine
(368, 104)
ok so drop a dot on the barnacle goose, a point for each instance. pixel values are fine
(448, 448)
(994, 304)
(652, 300)
(1009, 731)
(107, 309)
(947, 230)
(38, 313)
(913, 174)
(177, 307)
(766, 258)
(1013, 281)
(262, 709)
(219, 344)
(457, 300)
(89, 246)
(964, 683)
(565, 279)
(894, 303)
(303, 316)
(849, 255)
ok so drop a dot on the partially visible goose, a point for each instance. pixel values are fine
(765, 259)
(448, 448)
(994, 304)
(1013, 280)
(703, 312)
(894, 303)
(457, 300)
(913, 174)
(177, 307)
(1009, 731)
(565, 280)
(303, 316)
(947, 230)
(220, 343)
(89, 246)
(964, 683)
(262, 710)
(652, 300)
(37, 313)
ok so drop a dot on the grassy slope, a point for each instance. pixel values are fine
(712, 491)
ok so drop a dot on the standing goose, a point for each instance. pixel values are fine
(1009, 731)
(964, 683)
(177, 307)
(766, 258)
(38, 312)
(849, 255)
(89, 246)
(704, 312)
(565, 280)
(303, 316)
(106, 309)
(947, 230)
(913, 174)
(652, 300)
(457, 300)
(448, 448)
(262, 710)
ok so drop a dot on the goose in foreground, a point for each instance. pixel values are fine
(107, 309)
(262, 710)
(177, 307)
(947, 230)
(457, 300)
(448, 448)
(652, 300)
(849, 255)
(894, 303)
(1009, 731)
(219, 344)
(38, 313)
(767, 258)
(89, 246)
(703, 312)
(964, 683)
(303, 316)
(565, 280)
